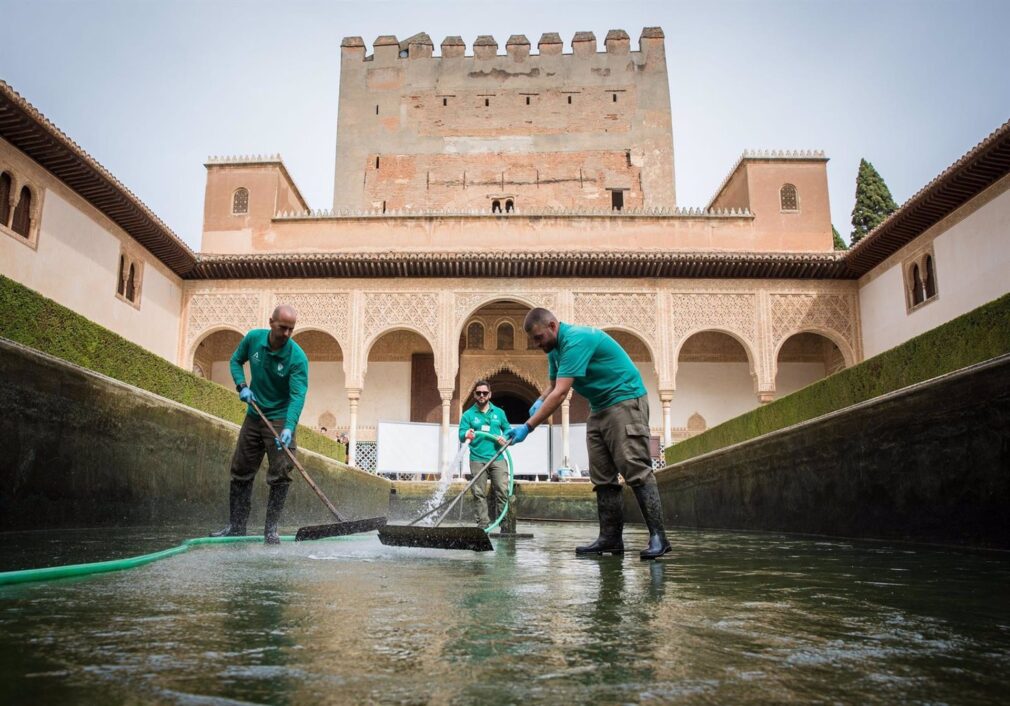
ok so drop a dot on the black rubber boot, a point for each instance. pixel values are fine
(275, 503)
(239, 502)
(610, 508)
(652, 510)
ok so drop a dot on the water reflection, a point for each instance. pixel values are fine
(728, 618)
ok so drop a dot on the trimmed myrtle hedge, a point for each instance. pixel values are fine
(971, 338)
(42, 324)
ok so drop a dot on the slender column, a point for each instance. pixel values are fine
(666, 397)
(443, 445)
(353, 395)
(566, 446)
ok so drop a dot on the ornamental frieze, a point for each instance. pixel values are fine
(238, 310)
(327, 311)
(737, 313)
(416, 310)
(635, 312)
(813, 312)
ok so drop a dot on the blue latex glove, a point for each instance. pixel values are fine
(517, 434)
(246, 395)
(285, 439)
(535, 407)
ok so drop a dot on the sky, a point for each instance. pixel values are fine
(151, 89)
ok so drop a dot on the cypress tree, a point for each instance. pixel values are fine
(839, 243)
(873, 201)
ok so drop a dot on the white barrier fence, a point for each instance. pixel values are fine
(411, 448)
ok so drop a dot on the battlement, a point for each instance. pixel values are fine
(676, 212)
(419, 46)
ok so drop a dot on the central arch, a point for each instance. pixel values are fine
(513, 395)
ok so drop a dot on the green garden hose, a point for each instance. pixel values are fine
(98, 567)
(508, 461)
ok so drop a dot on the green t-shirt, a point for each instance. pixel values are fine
(493, 421)
(280, 378)
(603, 373)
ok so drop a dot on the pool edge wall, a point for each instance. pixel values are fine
(928, 463)
(83, 450)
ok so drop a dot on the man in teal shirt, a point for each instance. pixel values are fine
(485, 417)
(280, 378)
(594, 365)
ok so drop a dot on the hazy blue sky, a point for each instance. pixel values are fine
(151, 89)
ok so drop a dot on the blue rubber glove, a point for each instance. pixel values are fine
(246, 395)
(535, 407)
(285, 439)
(517, 434)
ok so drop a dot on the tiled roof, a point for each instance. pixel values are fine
(522, 264)
(22, 125)
(980, 168)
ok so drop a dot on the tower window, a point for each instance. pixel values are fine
(615, 97)
(487, 102)
(787, 197)
(496, 206)
(616, 199)
(509, 206)
(240, 201)
(527, 100)
(376, 162)
(376, 109)
(569, 100)
(445, 102)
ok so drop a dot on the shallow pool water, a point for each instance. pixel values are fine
(725, 618)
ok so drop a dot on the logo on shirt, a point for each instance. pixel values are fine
(280, 367)
(256, 356)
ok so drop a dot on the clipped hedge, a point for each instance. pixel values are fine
(42, 324)
(974, 337)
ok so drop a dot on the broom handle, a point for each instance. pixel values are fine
(470, 484)
(319, 492)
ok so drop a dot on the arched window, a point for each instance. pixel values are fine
(23, 213)
(930, 283)
(509, 206)
(917, 296)
(131, 284)
(787, 196)
(496, 206)
(121, 286)
(506, 337)
(475, 336)
(6, 184)
(240, 201)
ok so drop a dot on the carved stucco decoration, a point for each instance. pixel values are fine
(529, 369)
(329, 312)
(414, 310)
(467, 303)
(238, 310)
(631, 312)
(822, 313)
(735, 313)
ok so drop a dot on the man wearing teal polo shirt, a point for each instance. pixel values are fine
(485, 417)
(594, 365)
(280, 378)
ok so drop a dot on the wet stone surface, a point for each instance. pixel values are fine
(725, 618)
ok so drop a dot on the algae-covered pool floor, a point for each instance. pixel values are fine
(726, 618)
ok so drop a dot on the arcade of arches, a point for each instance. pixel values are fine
(705, 356)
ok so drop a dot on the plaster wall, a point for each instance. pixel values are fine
(511, 232)
(72, 231)
(971, 255)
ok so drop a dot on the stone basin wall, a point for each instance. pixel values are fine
(83, 450)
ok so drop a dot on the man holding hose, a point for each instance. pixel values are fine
(485, 417)
(594, 365)
(280, 378)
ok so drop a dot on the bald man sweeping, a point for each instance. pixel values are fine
(280, 378)
(594, 365)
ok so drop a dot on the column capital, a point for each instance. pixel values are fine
(446, 394)
(666, 394)
(353, 393)
(766, 396)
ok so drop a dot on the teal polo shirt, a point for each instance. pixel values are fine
(493, 421)
(602, 371)
(280, 378)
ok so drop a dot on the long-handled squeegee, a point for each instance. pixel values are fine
(435, 537)
(336, 529)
